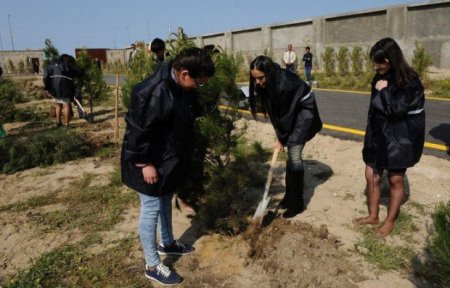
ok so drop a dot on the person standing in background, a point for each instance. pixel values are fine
(158, 48)
(59, 83)
(308, 58)
(290, 58)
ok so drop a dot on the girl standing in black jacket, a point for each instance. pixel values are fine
(395, 130)
(294, 115)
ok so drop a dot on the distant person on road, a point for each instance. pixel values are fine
(59, 83)
(292, 109)
(156, 149)
(395, 132)
(290, 59)
(158, 48)
(308, 58)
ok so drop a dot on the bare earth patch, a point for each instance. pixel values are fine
(314, 249)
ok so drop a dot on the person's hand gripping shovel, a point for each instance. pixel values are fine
(260, 211)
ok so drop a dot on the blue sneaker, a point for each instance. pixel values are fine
(163, 275)
(176, 248)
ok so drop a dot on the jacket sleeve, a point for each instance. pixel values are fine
(143, 141)
(395, 102)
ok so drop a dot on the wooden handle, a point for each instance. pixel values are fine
(269, 177)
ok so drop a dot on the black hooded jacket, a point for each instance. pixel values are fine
(395, 131)
(159, 131)
(59, 79)
(296, 117)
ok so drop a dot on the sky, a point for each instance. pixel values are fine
(25, 24)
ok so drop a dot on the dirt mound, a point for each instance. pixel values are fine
(294, 251)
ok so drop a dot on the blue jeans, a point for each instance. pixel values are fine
(294, 175)
(308, 73)
(155, 211)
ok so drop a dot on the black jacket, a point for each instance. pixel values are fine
(296, 119)
(59, 79)
(159, 131)
(395, 131)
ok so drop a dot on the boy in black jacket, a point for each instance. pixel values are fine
(156, 146)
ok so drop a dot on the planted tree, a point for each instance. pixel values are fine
(357, 61)
(329, 61)
(343, 61)
(51, 54)
(11, 67)
(140, 68)
(21, 67)
(92, 82)
(421, 61)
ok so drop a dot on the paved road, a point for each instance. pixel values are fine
(349, 110)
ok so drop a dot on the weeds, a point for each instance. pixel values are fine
(31, 203)
(384, 256)
(439, 268)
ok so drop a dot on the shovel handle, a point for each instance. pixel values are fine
(269, 177)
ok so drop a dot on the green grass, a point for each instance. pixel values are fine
(72, 266)
(31, 203)
(420, 208)
(384, 256)
(91, 208)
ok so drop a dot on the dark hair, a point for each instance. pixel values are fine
(157, 45)
(388, 49)
(197, 61)
(307, 48)
(261, 100)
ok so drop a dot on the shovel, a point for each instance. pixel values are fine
(259, 214)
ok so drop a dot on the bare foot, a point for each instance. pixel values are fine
(366, 220)
(385, 229)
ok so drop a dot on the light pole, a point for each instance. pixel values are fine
(10, 31)
(1, 42)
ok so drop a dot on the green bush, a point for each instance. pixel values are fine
(9, 94)
(41, 149)
(440, 88)
(357, 61)
(421, 61)
(342, 58)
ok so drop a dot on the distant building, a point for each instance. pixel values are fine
(21, 62)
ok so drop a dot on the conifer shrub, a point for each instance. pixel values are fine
(41, 149)
(9, 96)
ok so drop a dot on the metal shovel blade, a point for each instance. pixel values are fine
(261, 208)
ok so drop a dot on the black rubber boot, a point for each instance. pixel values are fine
(284, 204)
(296, 204)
